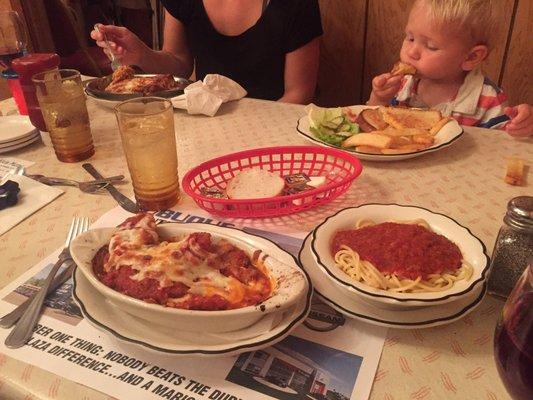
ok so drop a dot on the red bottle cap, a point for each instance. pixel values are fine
(33, 63)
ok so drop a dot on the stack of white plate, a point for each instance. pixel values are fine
(16, 131)
(191, 332)
(380, 307)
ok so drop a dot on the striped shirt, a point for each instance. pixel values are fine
(479, 102)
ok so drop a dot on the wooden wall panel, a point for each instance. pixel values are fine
(517, 74)
(385, 33)
(341, 52)
(493, 65)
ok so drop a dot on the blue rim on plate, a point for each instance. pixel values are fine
(473, 284)
(383, 322)
(375, 157)
(241, 348)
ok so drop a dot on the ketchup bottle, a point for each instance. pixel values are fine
(26, 67)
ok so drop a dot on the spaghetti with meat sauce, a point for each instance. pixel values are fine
(399, 256)
(192, 272)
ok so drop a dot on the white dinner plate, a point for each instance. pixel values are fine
(420, 317)
(472, 250)
(448, 134)
(129, 329)
(20, 145)
(15, 127)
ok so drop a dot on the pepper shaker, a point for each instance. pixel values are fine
(513, 247)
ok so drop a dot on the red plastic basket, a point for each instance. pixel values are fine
(339, 168)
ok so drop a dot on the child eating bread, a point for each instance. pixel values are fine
(445, 42)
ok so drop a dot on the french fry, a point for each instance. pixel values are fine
(439, 125)
(515, 171)
(368, 139)
(368, 149)
(423, 139)
(391, 131)
(408, 148)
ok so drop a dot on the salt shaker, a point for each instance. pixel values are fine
(513, 247)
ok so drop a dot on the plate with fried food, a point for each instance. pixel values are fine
(379, 133)
(126, 83)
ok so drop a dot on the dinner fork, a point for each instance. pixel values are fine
(115, 63)
(24, 328)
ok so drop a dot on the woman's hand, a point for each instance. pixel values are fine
(124, 44)
(521, 123)
(384, 87)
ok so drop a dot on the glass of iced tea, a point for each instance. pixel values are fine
(146, 126)
(62, 101)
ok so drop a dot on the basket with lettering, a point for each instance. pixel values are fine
(337, 167)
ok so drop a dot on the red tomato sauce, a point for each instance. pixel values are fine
(407, 250)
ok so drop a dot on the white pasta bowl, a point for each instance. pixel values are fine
(292, 283)
(472, 249)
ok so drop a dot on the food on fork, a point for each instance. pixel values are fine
(195, 271)
(124, 80)
(401, 68)
(399, 256)
(515, 171)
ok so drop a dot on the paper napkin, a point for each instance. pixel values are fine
(32, 196)
(205, 97)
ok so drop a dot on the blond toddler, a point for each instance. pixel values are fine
(447, 41)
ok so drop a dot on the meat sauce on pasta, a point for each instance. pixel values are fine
(400, 257)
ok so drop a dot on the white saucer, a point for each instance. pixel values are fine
(127, 328)
(420, 317)
(13, 127)
(4, 148)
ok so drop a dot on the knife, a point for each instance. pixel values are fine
(8, 320)
(122, 200)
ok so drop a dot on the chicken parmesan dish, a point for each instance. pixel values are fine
(124, 80)
(196, 271)
(399, 256)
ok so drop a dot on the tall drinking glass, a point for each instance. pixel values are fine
(513, 340)
(62, 101)
(146, 126)
(12, 38)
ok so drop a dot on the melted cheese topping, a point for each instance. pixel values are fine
(136, 245)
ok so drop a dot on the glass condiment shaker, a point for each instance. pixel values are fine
(513, 247)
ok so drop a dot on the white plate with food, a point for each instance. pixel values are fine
(102, 314)
(397, 256)
(379, 133)
(413, 318)
(191, 277)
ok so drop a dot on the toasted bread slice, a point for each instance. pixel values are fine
(515, 171)
(403, 118)
(401, 68)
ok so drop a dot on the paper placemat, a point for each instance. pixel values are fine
(32, 196)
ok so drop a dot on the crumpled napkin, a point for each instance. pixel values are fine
(32, 196)
(205, 97)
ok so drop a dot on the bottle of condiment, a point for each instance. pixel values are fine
(513, 247)
(26, 67)
(16, 90)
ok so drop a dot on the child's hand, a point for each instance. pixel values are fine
(384, 87)
(521, 124)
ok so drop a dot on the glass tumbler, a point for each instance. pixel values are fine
(146, 127)
(513, 340)
(62, 101)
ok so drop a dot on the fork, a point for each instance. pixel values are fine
(115, 63)
(24, 328)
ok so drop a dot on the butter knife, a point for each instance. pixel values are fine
(122, 200)
(8, 320)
